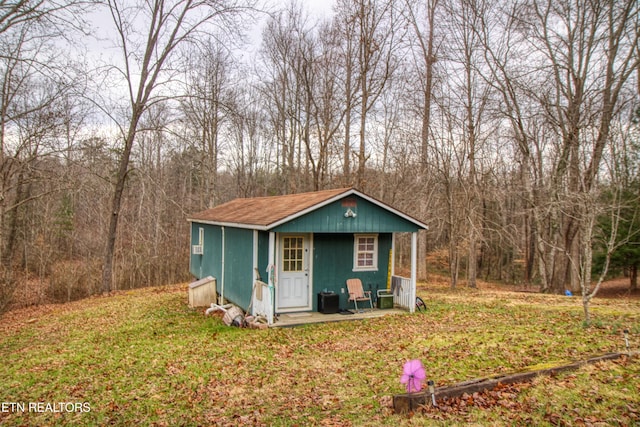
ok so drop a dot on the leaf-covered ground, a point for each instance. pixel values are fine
(144, 357)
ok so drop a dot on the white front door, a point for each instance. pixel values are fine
(293, 289)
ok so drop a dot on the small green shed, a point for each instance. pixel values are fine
(276, 254)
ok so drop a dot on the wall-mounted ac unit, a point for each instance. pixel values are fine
(196, 249)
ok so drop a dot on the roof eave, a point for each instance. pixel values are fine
(393, 210)
(259, 227)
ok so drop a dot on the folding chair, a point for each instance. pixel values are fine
(357, 293)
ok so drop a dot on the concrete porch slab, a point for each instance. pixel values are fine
(308, 317)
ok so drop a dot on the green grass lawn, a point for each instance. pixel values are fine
(145, 358)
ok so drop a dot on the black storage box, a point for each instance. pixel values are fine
(328, 302)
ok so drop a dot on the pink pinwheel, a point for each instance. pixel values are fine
(412, 375)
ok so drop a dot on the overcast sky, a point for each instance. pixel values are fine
(317, 6)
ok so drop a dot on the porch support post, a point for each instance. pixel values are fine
(414, 275)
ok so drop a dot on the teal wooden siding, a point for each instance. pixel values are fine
(369, 218)
(238, 266)
(206, 265)
(333, 265)
(238, 260)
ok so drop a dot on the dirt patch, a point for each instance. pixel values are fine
(618, 288)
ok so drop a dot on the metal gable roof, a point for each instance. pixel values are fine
(263, 213)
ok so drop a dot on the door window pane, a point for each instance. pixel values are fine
(292, 253)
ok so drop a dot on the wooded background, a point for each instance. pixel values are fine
(510, 127)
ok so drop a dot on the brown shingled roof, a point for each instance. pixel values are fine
(264, 211)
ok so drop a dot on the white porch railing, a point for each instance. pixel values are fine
(262, 301)
(401, 290)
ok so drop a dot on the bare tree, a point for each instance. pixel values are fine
(427, 55)
(250, 156)
(470, 97)
(422, 17)
(502, 44)
(347, 32)
(206, 108)
(559, 121)
(146, 64)
(36, 83)
(302, 87)
(370, 32)
(590, 50)
(327, 114)
(376, 32)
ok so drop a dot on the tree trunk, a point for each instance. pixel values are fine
(429, 59)
(116, 202)
(472, 267)
(422, 255)
(348, 90)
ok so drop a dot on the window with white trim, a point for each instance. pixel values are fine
(365, 252)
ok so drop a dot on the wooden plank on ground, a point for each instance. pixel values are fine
(409, 402)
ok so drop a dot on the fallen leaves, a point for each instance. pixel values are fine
(502, 395)
(146, 354)
(583, 398)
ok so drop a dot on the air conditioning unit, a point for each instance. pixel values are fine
(196, 249)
